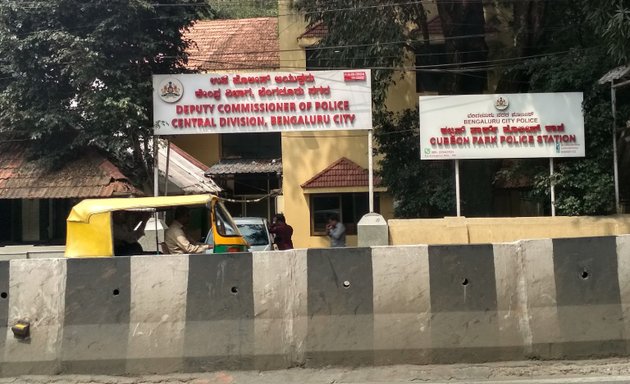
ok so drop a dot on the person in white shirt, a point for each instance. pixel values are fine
(176, 239)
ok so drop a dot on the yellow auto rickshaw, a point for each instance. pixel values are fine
(90, 229)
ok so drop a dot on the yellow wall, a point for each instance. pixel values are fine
(205, 148)
(290, 26)
(305, 154)
(453, 230)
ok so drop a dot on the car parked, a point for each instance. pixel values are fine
(255, 231)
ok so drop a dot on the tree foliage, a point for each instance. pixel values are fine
(522, 46)
(368, 34)
(78, 74)
(611, 21)
(242, 9)
(583, 186)
(427, 191)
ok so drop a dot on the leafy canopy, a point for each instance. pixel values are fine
(538, 46)
(78, 73)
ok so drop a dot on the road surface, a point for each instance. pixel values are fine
(608, 371)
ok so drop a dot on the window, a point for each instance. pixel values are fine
(251, 145)
(350, 207)
(427, 55)
(313, 59)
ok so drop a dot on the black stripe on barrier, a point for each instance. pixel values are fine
(588, 295)
(97, 311)
(4, 304)
(462, 278)
(340, 307)
(463, 303)
(219, 313)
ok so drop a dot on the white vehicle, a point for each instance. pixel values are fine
(255, 231)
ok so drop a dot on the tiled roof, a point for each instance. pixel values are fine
(240, 166)
(184, 171)
(234, 44)
(317, 30)
(89, 176)
(341, 173)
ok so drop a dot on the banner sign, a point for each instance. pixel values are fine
(262, 102)
(513, 126)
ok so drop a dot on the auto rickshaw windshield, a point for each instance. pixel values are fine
(224, 223)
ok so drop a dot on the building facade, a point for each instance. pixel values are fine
(317, 174)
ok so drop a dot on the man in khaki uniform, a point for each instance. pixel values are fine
(176, 239)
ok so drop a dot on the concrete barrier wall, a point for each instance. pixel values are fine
(561, 298)
(462, 230)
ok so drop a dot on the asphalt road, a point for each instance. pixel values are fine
(611, 371)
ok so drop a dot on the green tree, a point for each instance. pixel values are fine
(567, 38)
(78, 74)
(425, 190)
(583, 186)
(611, 21)
(368, 33)
(242, 9)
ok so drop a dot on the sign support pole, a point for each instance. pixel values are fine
(613, 97)
(168, 157)
(553, 188)
(370, 172)
(156, 187)
(457, 194)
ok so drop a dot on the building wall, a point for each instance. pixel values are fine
(205, 148)
(304, 154)
(462, 230)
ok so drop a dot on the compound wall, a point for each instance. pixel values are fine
(484, 230)
(561, 298)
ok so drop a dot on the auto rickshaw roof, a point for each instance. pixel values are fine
(86, 208)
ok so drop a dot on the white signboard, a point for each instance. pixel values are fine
(501, 126)
(262, 102)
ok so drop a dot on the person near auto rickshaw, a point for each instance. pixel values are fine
(176, 239)
(282, 232)
(128, 227)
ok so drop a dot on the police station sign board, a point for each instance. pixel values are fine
(262, 102)
(513, 126)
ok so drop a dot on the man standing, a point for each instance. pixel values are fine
(175, 238)
(282, 232)
(336, 232)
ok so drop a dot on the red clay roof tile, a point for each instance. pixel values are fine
(89, 176)
(234, 44)
(341, 173)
